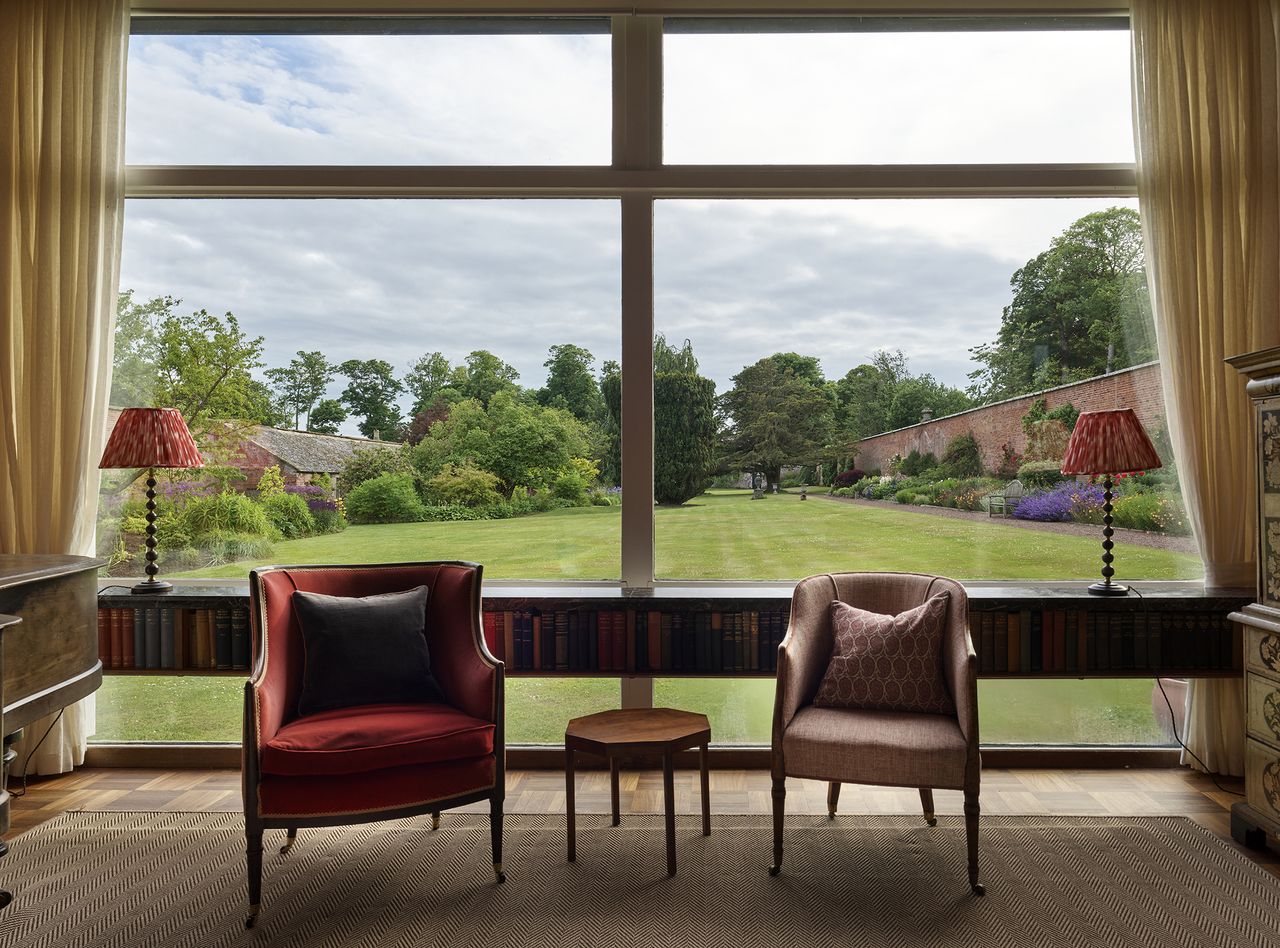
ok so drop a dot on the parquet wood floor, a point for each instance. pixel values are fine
(1170, 791)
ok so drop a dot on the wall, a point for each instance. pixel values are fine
(994, 425)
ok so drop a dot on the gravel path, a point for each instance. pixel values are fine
(1157, 541)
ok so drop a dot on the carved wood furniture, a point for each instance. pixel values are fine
(884, 748)
(371, 762)
(6, 622)
(1259, 815)
(638, 732)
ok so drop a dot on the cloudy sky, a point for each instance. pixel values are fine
(397, 278)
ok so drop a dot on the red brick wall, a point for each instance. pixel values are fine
(993, 425)
(253, 460)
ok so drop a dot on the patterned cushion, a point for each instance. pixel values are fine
(887, 663)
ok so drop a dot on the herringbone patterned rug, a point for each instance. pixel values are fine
(177, 879)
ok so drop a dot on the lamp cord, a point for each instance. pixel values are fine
(31, 753)
(1173, 720)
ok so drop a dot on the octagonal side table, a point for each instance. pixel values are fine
(639, 732)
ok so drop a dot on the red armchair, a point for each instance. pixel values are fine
(371, 762)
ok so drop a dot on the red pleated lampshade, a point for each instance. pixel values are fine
(1109, 442)
(151, 437)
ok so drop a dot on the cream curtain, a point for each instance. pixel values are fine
(1205, 107)
(62, 67)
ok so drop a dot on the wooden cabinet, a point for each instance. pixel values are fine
(1259, 815)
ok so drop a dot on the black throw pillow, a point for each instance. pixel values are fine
(370, 650)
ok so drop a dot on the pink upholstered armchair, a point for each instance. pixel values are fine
(372, 761)
(886, 748)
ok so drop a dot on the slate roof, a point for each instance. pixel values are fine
(310, 453)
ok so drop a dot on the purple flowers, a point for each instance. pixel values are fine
(1066, 501)
(305, 490)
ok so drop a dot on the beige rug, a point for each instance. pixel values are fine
(177, 879)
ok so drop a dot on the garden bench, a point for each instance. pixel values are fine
(1006, 501)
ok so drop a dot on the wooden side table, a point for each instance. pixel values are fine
(639, 732)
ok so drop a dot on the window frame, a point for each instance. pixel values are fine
(637, 177)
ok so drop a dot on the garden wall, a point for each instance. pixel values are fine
(993, 425)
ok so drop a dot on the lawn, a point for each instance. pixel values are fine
(720, 535)
(726, 535)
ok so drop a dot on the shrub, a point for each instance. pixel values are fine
(847, 478)
(906, 496)
(1010, 461)
(225, 514)
(289, 514)
(1041, 475)
(367, 463)
(917, 463)
(270, 483)
(387, 498)
(329, 520)
(1153, 512)
(463, 484)
(572, 483)
(962, 457)
(218, 549)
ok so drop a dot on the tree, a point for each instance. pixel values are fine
(371, 395)
(774, 419)
(482, 376)
(198, 363)
(326, 417)
(1079, 309)
(302, 383)
(571, 385)
(667, 358)
(427, 377)
(520, 442)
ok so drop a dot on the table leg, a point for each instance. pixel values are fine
(613, 788)
(706, 792)
(669, 798)
(568, 803)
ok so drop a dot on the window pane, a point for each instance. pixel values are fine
(1097, 711)
(343, 99)
(740, 709)
(445, 356)
(156, 708)
(898, 97)
(539, 708)
(807, 342)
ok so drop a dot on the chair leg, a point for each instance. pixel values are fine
(495, 833)
(290, 839)
(833, 798)
(779, 805)
(971, 811)
(435, 821)
(253, 856)
(926, 801)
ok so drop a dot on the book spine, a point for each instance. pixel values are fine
(134, 654)
(116, 655)
(104, 636)
(166, 638)
(240, 650)
(1141, 634)
(1000, 658)
(987, 646)
(753, 649)
(1071, 639)
(1015, 642)
(1155, 642)
(1059, 640)
(1025, 624)
(622, 643)
(638, 625)
(653, 638)
(665, 663)
(562, 640)
(536, 646)
(152, 627)
(180, 617)
(1037, 640)
(222, 638)
(506, 624)
(595, 656)
(1090, 640)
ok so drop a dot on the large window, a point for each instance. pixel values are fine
(423, 274)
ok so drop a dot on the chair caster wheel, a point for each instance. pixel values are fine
(253, 918)
(774, 870)
(979, 889)
(932, 821)
(500, 878)
(5, 898)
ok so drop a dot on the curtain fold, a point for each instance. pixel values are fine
(62, 73)
(1205, 117)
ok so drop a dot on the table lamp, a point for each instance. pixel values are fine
(1106, 443)
(151, 438)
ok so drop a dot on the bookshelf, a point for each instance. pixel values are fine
(600, 631)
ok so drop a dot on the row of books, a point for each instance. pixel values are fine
(155, 637)
(636, 640)
(1076, 640)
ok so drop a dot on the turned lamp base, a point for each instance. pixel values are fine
(151, 586)
(1108, 589)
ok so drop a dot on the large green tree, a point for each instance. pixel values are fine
(775, 419)
(520, 442)
(302, 383)
(371, 393)
(571, 383)
(196, 362)
(326, 417)
(684, 423)
(1079, 309)
(483, 375)
(426, 379)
